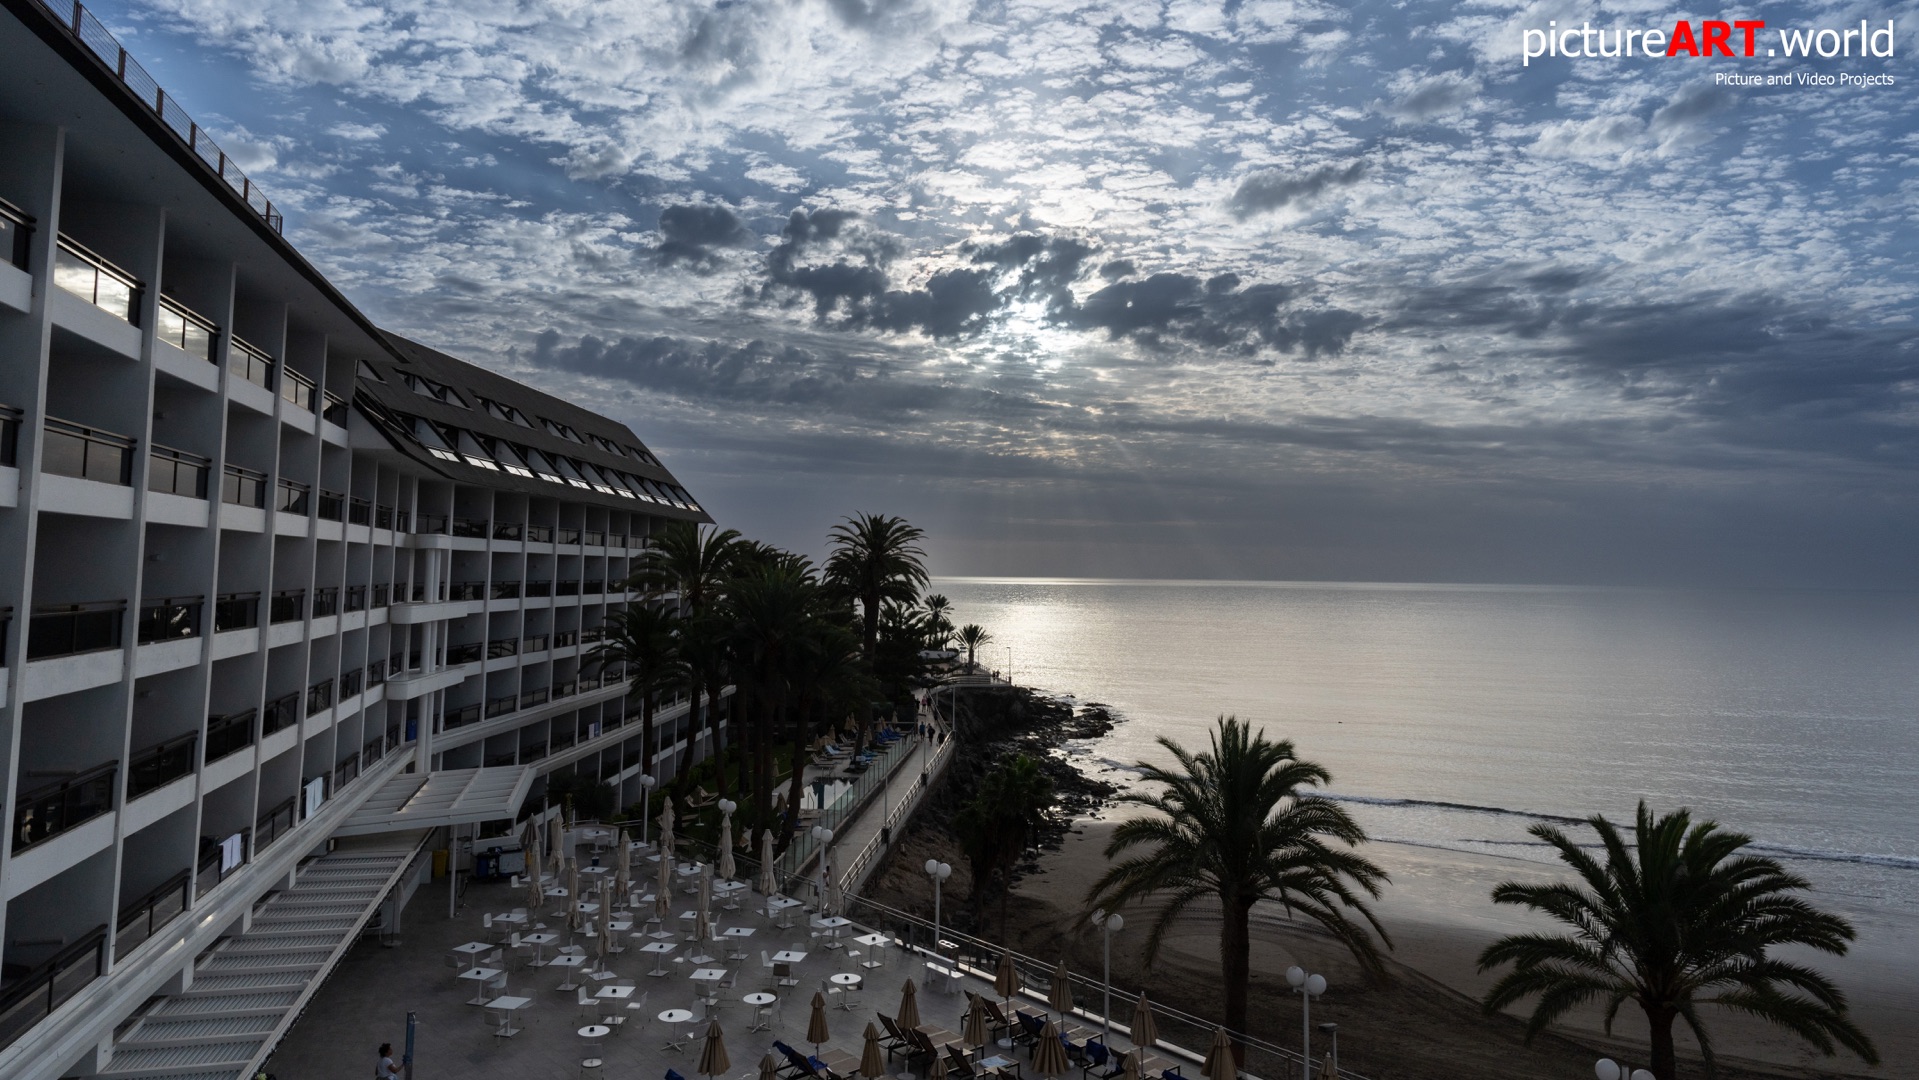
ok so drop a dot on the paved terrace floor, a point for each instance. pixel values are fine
(366, 1001)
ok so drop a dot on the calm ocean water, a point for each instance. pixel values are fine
(1456, 716)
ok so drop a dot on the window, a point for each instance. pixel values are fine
(505, 412)
(640, 454)
(437, 390)
(607, 445)
(367, 372)
(436, 439)
(562, 430)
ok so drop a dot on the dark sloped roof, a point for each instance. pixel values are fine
(427, 385)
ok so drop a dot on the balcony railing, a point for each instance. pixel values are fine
(376, 673)
(249, 362)
(275, 823)
(87, 29)
(243, 487)
(380, 593)
(540, 534)
(469, 527)
(176, 472)
(16, 231)
(333, 408)
(160, 764)
(326, 601)
(320, 697)
(10, 436)
(594, 538)
(87, 453)
(500, 706)
(541, 587)
(530, 698)
(467, 590)
(355, 598)
(508, 530)
(230, 733)
(567, 587)
(280, 713)
(569, 536)
(52, 808)
(372, 750)
(170, 619)
(500, 647)
(506, 590)
(359, 511)
(565, 639)
(211, 870)
(236, 611)
(465, 654)
(533, 643)
(160, 906)
(93, 279)
(465, 714)
(298, 389)
(34, 996)
(287, 605)
(71, 629)
(332, 506)
(186, 330)
(293, 498)
(349, 683)
(345, 771)
(427, 523)
(382, 516)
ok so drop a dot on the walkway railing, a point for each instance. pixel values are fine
(869, 856)
(846, 802)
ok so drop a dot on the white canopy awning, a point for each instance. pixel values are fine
(447, 797)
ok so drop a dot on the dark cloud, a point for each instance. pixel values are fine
(1434, 97)
(1690, 105)
(1273, 190)
(691, 233)
(1167, 309)
(1118, 268)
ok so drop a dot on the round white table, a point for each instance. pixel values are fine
(595, 1031)
(845, 978)
(673, 1018)
(759, 999)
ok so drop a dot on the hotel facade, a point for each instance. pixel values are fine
(285, 600)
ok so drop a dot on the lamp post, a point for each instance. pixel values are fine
(1110, 923)
(647, 782)
(822, 836)
(939, 872)
(1608, 1069)
(1333, 1030)
(1307, 987)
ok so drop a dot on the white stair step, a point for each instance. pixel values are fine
(178, 1060)
(267, 1003)
(160, 1031)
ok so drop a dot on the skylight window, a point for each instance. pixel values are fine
(438, 391)
(562, 431)
(505, 412)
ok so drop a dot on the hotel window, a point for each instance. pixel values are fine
(505, 412)
(562, 430)
(512, 458)
(428, 388)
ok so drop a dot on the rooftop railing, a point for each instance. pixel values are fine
(80, 22)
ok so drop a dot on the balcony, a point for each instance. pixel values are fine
(170, 619)
(468, 653)
(540, 587)
(293, 497)
(320, 697)
(540, 534)
(230, 733)
(10, 436)
(426, 523)
(333, 409)
(326, 601)
(355, 598)
(274, 824)
(565, 639)
(502, 647)
(87, 453)
(16, 231)
(465, 714)
(568, 587)
(470, 527)
(530, 698)
(160, 764)
(249, 362)
(350, 684)
(467, 590)
(380, 594)
(296, 388)
(506, 590)
(34, 996)
(176, 472)
(569, 536)
(236, 611)
(280, 713)
(287, 605)
(332, 506)
(376, 673)
(71, 629)
(93, 279)
(506, 530)
(500, 706)
(382, 516)
(52, 808)
(243, 487)
(533, 643)
(185, 330)
(160, 906)
(346, 771)
(213, 869)
(593, 538)
(359, 511)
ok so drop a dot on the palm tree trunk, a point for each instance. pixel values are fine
(1236, 965)
(693, 716)
(713, 740)
(797, 786)
(1660, 1021)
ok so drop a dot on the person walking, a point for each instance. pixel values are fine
(386, 1070)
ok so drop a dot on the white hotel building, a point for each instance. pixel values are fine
(282, 597)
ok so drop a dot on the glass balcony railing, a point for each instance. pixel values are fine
(540, 534)
(469, 527)
(355, 599)
(331, 506)
(160, 764)
(170, 619)
(181, 328)
(466, 590)
(71, 629)
(249, 362)
(540, 587)
(359, 511)
(326, 601)
(508, 530)
(87, 453)
(33, 995)
(381, 592)
(533, 643)
(287, 605)
(72, 799)
(506, 590)
(333, 408)
(468, 653)
(569, 536)
(139, 920)
(292, 497)
(382, 516)
(230, 733)
(296, 388)
(243, 487)
(500, 706)
(350, 683)
(176, 472)
(465, 714)
(213, 869)
(10, 418)
(281, 712)
(275, 823)
(16, 232)
(93, 279)
(320, 696)
(502, 647)
(236, 611)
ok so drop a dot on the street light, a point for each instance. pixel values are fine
(1009, 665)
(1111, 923)
(1307, 987)
(647, 781)
(1608, 1069)
(1333, 1030)
(939, 872)
(822, 836)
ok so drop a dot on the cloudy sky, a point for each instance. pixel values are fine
(1267, 289)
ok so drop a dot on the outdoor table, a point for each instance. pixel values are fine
(508, 1006)
(661, 935)
(596, 869)
(673, 1018)
(759, 999)
(846, 981)
(512, 918)
(730, 890)
(588, 907)
(1153, 1065)
(708, 974)
(789, 956)
(614, 993)
(877, 943)
(737, 935)
(480, 976)
(539, 942)
(659, 949)
(472, 950)
(568, 961)
(777, 908)
(595, 1031)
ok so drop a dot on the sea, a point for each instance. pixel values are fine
(1455, 717)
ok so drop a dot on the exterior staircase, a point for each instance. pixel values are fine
(248, 989)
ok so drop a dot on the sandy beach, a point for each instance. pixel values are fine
(1426, 1023)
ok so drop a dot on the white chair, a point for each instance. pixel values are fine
(588, 1006)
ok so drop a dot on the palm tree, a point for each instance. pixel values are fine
(1676, 920)
(995, 827)
(772, 609)
(974, 637)
(1234, 824)
(939, 624)
(876, 559)
(692, 563)
(646, 639)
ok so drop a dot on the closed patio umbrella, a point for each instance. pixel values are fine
(835, 896)
(1145, 1031)
(909, 1006)
(666, 832)
(701, 910)
(872, 1059)
(556, 843)
(1220, 1064)
(816, 1032)
(769, 878)
(1129, 1065)
(1060, 994)
(622, 865)
(1049, 1056)
(574, 916)
(605, 941)
(974, 1029)
(713, 1060)
(936, 1068)
(536, 896)
(769, 1068)
(1006, 979)
(663, 891)
(726, 866)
